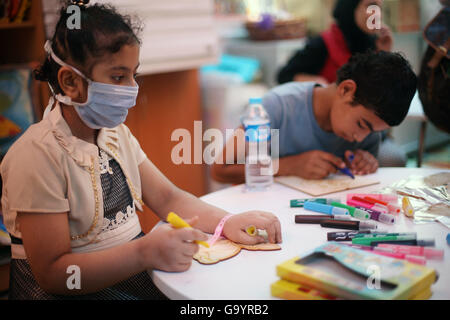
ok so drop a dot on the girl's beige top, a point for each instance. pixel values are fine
(49, 170)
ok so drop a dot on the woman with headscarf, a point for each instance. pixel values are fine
(349, 34)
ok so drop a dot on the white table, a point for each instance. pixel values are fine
(249, 274)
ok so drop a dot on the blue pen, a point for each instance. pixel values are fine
(347, 170)
(324, 208)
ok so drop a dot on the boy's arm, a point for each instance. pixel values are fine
(313, 164)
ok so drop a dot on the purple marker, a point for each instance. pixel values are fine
(379, 216)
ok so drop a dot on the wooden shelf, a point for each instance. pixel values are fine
(17, 25)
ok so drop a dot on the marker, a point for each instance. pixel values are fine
(324, 208)
(367, 241)
(392, 208)
(345, 235)
(406, 239)
(298, 203)
(414, 250)
(378, 216)
(177, 222)
(356, 203)
(408, 210)
(347, 172)
(448, 238)
(369, 205)
(253, 231)
(401, 256)
(350, 225)
(381, 234)
(354, 212)
(415, 242)
(379, 196)
(317, 219)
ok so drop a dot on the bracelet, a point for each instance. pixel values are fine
(219, 229)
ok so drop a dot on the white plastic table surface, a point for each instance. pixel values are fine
(248, 275)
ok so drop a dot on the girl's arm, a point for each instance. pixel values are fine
(46, 239)
(162, 197)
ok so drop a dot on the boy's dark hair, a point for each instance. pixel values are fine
(385, 83)
(103, 31)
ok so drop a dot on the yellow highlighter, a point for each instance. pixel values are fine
(408, 210)
(177, 222)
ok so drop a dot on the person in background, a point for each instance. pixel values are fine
(324, 54)
(434, 77)
(322, 127)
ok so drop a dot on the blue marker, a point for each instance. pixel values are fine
(448, 238)
(324, 208)
(347, 170)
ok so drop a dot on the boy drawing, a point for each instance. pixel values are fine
(321, 127)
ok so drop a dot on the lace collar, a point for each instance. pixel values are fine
(80, 150)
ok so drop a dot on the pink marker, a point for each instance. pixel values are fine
(415, 250)
(378, 196)
(357, 203)
(411, 258)
(392, 208)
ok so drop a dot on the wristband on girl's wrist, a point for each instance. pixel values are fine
(219, 230)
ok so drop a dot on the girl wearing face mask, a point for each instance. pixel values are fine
(73, 181)
(324, 54)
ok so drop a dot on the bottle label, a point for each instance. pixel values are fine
(257, 132)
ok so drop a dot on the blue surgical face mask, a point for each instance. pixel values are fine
(106, 105)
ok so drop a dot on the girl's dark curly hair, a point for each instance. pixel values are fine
(103, 31)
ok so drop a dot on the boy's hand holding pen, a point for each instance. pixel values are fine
(361, 162)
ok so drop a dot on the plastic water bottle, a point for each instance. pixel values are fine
(258, 161)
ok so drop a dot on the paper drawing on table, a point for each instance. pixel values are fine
(332, 184)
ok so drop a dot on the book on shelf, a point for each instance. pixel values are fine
(14, 11)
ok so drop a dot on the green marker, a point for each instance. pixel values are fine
(298, 203)
(368, 241)
(355, 213)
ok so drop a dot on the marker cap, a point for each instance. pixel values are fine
(339, 211)
(386, 218)
(426, 242)
(433, 253)
(367, 225)
(361, 214)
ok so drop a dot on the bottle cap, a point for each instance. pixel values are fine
(255, 100)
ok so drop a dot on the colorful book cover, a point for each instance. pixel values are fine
(293, 291)
(351, 273)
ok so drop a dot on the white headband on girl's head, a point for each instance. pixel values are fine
(49, 50)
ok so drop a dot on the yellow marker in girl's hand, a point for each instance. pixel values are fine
(408, 210)
(179, 223)
(253, 231)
